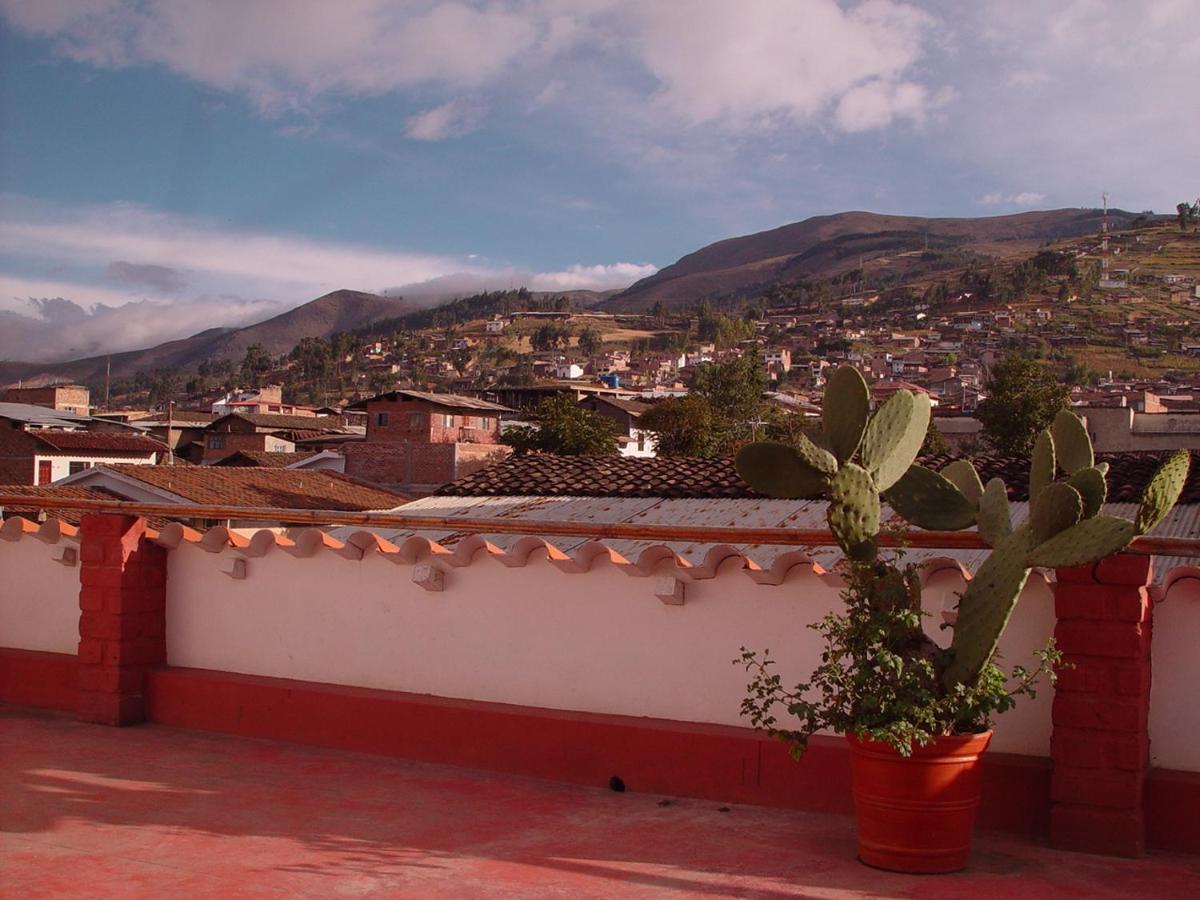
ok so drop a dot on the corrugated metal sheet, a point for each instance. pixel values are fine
(1184, 521)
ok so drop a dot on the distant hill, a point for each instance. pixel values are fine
(338, 311)
(825, 246)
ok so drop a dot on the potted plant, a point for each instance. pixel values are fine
(917, 717)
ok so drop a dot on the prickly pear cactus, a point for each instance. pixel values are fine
(865, 456)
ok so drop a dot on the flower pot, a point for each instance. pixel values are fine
(915, 813)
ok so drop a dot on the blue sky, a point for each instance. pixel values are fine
(166, 167)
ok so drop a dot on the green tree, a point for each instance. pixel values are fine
(255, 365)
(590, 341)
(681, 426)
(734, 391)
(1023, 397)
(313, 357)
(566, 428)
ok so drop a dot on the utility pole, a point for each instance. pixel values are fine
(107, 378)
(170, 429)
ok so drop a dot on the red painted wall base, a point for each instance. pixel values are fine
(710, 762)
(1172, 803)
(35, 678)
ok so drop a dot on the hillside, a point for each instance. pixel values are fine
(826, 246)
(337, 311)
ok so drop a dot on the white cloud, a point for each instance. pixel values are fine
(701, 62)
(452, 119)
(1024, 198)
(117, 262)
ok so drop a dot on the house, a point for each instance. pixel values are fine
(259, 431)
(265, 400)
(496, 325)
(625, 414)
(325, 460)
(39, 446)
(417, 440)
(71, 398)
(249, 486)
(568, 370)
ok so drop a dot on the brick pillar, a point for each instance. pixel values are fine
(1100, 743)
(122, 627)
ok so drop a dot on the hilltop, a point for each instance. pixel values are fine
(343, 310)
(891, 248)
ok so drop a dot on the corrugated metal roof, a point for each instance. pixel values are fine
(1184, 521)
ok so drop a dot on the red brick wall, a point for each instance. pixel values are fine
(70, 398)
(400, 427)
(16, 455)
(234, 441)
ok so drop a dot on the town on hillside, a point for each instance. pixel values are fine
(1105, 323)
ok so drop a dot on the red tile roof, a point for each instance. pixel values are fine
(617, 476)
(251, 486)
(265, 459)
(98, 442)
(64, 492)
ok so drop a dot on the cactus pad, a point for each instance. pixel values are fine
(995, 520)
(1092, 487)
(894, 437)
(1055, 509)
(1163, 490)
(778, 471)
(1071, 443)
(961, 473)
(1041, 465)
(844, 411)
(854, 511)
(929, 500)
(1090, 540)
(985, 608)
(816, 457)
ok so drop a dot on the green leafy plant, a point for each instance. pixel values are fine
(860, 460)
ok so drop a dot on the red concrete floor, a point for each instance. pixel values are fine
(150, 811)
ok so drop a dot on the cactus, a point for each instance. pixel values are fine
(1071, 443)
(1163, 490)
(930, 500)
(995, 519)
(844, 412)
(854, 511)
(1055, 509)
(866, 455)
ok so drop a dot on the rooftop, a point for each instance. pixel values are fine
(544, 475)
(255, 487)
(154, 811)
(450, 401)
(264, 459)
(314, 424)
(98, 441)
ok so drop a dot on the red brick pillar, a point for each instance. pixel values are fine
(122, 626)
(1100, 743)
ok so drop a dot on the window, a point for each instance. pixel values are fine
(381, 420)
(216, 442)
(447, 421)
(45, 471)
(485, 423)
(416, 420)
(76, 465)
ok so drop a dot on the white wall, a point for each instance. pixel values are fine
(533, 635)
(1175, 679)
(60, 466)
(39, 597)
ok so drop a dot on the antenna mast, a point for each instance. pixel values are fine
(1104, 241)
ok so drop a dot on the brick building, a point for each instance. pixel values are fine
(71, 398)
(42, 456)
(269, 433)
(418, 441)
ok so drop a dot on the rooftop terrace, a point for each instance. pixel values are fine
(153, 811)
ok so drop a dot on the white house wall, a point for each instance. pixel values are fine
(39, 596)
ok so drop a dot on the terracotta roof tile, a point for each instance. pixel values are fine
(616, 476)
(266, 459)
(252, 486)
(98, 441)
(65, 492)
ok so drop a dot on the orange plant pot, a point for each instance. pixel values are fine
(916, 813)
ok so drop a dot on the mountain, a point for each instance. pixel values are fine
(825, 246)
(338, 311)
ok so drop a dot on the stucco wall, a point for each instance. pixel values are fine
(1174, 706)
(39, 597)
(532, 635)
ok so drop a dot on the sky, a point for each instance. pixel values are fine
(167, 167)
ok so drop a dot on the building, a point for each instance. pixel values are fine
(417, 441)
(1119, 429)
(625, 415)
(39, 446)
(265, 400)
(71, 398)
(249, 486)
(263, 432)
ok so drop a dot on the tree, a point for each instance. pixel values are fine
(313, 356)
(734, 391)
(1023, 398)
(681, 426)
(566, 428)
(590, 341)
(255, 365)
